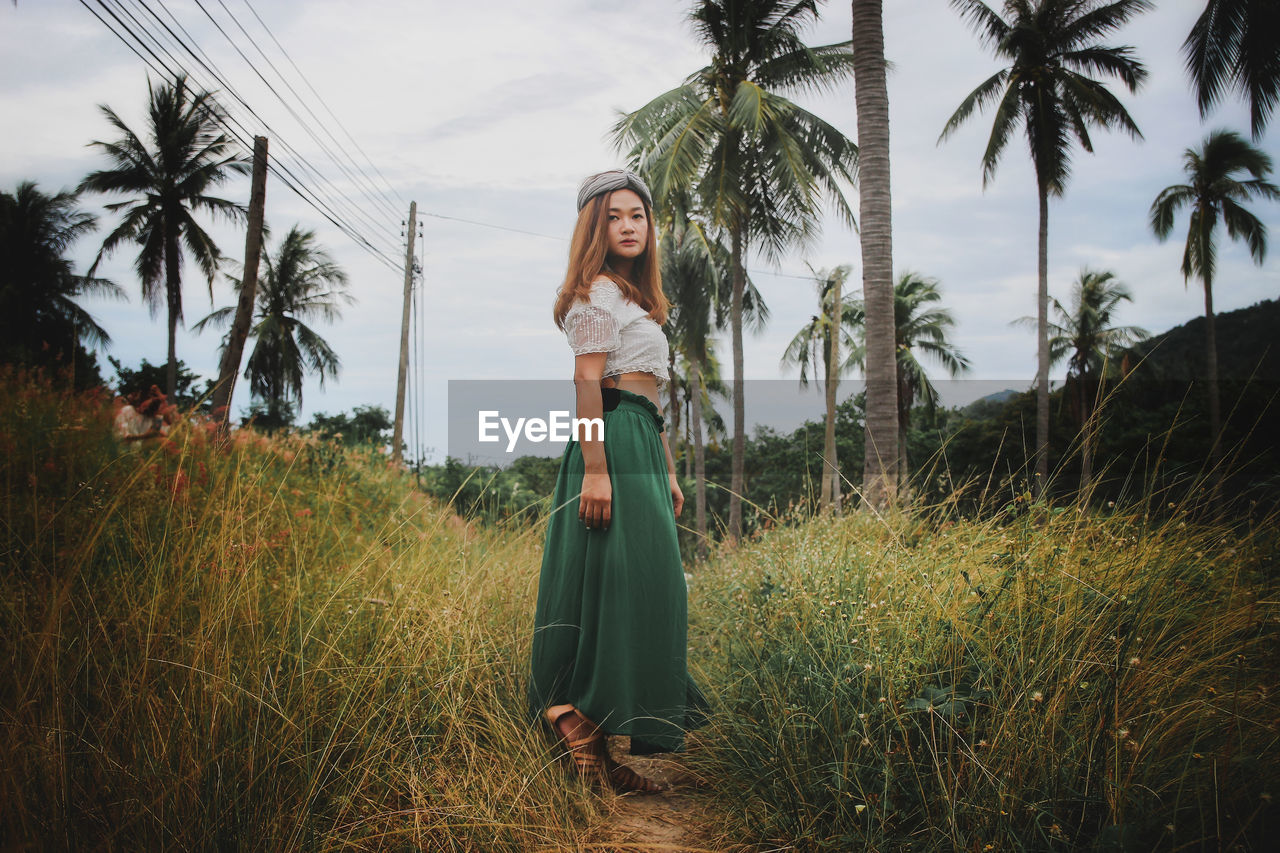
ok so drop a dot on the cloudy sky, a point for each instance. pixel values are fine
(493, 111)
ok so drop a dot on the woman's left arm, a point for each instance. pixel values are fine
(677, 496)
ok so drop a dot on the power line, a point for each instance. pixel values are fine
(491, 225)
(325, 105)
(242, 134)
(207, 63)
(387, 206)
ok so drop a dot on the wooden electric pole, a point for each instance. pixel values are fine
(248, 288)
(397, 435)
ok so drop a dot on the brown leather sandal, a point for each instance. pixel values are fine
(587, 757)
(624, 780)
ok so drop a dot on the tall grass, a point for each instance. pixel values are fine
(1027, 682)
(276, 645)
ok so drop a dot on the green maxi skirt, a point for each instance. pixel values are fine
(610, 634)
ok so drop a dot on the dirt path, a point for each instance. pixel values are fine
(679, 819)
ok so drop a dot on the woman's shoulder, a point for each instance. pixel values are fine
(604, 292)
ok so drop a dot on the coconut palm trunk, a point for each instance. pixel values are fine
(673, 405)
(879, 476)
(830, 466)
(1042, 348)
(699, 456)
(1085, 403)
(1211, 371)
(736, 483)
(904, 421)
(173, 298)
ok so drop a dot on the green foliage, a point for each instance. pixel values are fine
(365, 425)
(270, 416)
(138, 381)
(41, 321)
(518, 494)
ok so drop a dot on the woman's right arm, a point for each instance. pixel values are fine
(594, 506)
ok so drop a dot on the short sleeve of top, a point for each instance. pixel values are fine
(593, 326)
(612, 324)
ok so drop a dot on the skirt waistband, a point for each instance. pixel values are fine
(614, 398)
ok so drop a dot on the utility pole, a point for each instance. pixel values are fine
(397, 435)
(248, 288)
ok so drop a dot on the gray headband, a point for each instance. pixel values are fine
(614, 179)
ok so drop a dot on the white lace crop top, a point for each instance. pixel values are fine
(613, 324)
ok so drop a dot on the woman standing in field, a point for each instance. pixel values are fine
(610, 633)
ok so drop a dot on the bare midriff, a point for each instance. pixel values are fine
(638, 382)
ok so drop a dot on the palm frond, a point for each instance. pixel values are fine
(990, 27)
(1241, 224)
(988, 91)
(1102, 21)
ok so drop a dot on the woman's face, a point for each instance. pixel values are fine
(628, 225)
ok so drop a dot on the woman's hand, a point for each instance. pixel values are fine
(596, 501)
(677, 496)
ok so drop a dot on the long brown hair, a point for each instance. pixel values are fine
(588, 252)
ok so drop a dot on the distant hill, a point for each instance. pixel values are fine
(1154, 429)
(988, 405)
(1247, 346)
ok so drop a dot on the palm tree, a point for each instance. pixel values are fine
(40, 320)
(170, 176)
(1085, 336)
(871, 94)
(299, 283)
(815, 342)
(1052, 47)
(1233, 45)
(1214, 191)
(920, 327)
(697, 278)
(757, 164)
